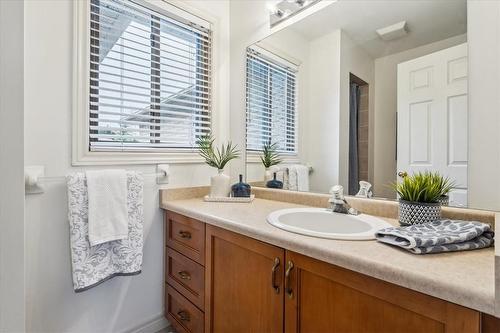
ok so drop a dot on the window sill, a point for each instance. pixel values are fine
(253, 157)
(124, 158)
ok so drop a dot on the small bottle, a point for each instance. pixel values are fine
(241, 189)
(274, 183)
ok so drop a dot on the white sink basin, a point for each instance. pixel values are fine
(323, 223)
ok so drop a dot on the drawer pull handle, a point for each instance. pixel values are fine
(288, 288)
(183, 315)
(184, 275)
(273, 275)
(185, 234)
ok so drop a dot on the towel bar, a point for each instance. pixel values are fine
(34, 177)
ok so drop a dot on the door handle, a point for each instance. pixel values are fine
(273, 275)
(184, 275)
(288, 288)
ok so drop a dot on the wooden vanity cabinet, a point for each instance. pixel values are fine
(321, 297)
(185, 273)
(252, 286)
(244, 284)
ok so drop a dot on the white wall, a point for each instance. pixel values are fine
(355, 60)
(322, 126)
(12, 254)
(122, 303)
(325, 139)
(483, 19)
(385, 108)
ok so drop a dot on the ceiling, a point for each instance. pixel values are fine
(428, 21)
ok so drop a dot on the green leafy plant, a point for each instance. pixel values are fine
(425, 187)
(270, 155)
(215, 157)
(445, 184)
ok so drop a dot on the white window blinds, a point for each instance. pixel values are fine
(150, 78)
(270, 102)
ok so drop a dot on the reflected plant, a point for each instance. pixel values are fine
(270, 155)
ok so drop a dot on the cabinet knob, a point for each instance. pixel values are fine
(184, 275)
(183, 315)
(185, 234)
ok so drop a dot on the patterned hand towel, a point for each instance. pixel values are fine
(439, 236)
(93, 265)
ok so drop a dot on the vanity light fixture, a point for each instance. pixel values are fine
(286, 8)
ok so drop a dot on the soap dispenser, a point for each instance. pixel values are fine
(241, 189)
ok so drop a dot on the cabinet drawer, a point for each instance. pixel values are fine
(187, 276)
(182, 314)
(186, 236)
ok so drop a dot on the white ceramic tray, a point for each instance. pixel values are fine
(229, 199)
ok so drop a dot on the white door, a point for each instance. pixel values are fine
(432, 117)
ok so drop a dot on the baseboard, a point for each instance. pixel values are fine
(153, 325)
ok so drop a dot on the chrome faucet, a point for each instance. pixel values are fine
(365, 189)
(338, 203)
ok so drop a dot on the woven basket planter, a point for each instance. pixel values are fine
(418, 212)
(444, 200)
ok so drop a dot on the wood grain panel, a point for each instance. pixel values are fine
(187, 276)
(182, 314)
(186, 236)
(327, 298)
(240, 284)
(490, 324)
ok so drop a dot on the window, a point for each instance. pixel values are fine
(271, 101)
(150, 78)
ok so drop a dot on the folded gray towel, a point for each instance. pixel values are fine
(439, 236)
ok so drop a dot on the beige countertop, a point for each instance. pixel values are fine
(465, 278)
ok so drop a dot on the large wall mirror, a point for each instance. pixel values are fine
(360, 91)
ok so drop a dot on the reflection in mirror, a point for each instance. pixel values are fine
(360, 91)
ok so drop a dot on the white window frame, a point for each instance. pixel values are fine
(81, 154)
(280, 57)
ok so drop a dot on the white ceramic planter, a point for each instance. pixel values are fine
(268, 174)
(220, 185)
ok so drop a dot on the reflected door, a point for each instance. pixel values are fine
(432, 117)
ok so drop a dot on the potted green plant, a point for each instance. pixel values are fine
(218, 158)
(269, 158)
(419, 196)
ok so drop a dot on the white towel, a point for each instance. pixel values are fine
(92, 265)
(298, 177)
(108, 217)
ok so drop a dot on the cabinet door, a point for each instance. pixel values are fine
(244, 284)
(320, 297)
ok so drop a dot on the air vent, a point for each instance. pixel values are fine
(394, 31)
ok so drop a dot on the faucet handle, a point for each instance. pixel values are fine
(337, 193)
(365, 189)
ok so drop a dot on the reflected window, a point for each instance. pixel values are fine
(271, 106)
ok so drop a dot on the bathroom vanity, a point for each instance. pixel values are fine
(228, 270)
